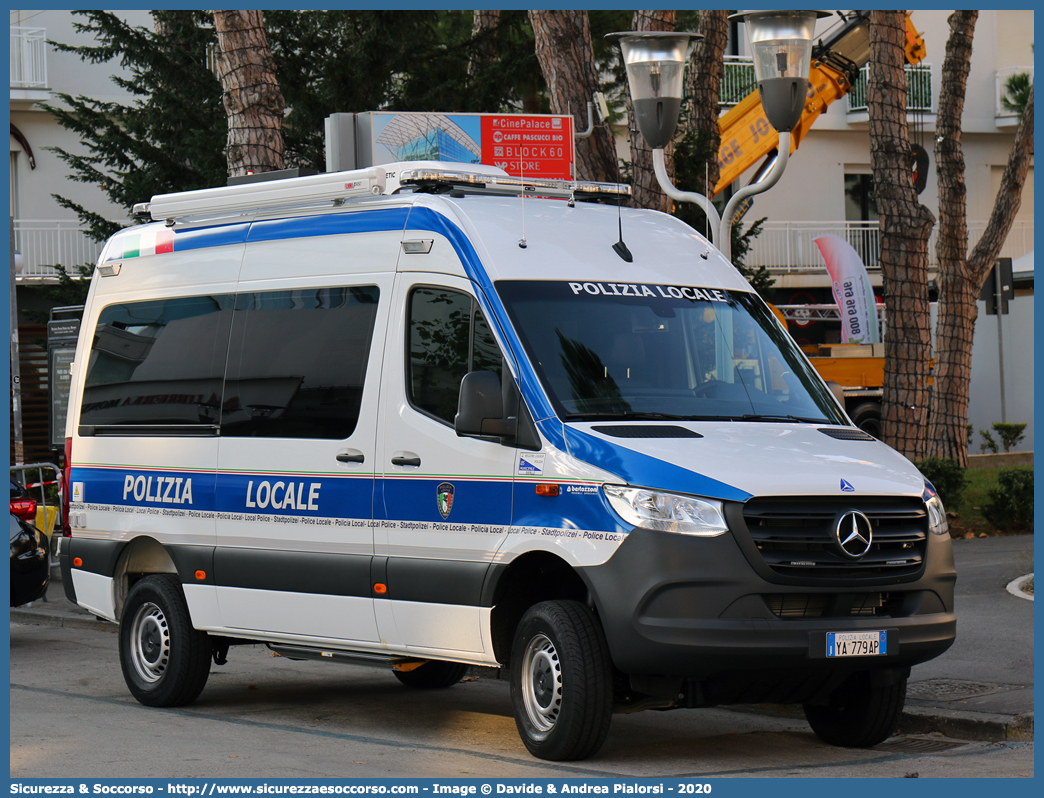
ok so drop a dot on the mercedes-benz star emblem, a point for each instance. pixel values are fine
(854, 534)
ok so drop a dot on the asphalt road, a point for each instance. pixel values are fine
(263, 716)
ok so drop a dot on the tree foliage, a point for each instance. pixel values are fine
(169, 138)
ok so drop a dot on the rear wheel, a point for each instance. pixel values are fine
(561, 681)
(858, 715)
(433, 675)
(165, 661)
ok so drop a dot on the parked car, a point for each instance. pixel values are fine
(30, 559)
(22, 504)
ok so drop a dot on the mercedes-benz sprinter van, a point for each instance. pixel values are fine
(430, 416)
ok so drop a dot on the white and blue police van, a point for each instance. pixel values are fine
(428, 416)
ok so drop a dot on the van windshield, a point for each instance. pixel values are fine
(634, 351)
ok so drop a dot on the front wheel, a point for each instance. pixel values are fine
(165, 661)
(858, 715)
(561, 681)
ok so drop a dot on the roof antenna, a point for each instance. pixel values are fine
(620, 248)
(521, 176)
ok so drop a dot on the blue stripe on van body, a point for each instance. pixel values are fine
(137, 486)
(475, 500)
(203, 237)
(642, 470)
(582, 508)
(389, 219)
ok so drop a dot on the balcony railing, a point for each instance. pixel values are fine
(1003, 93)
(45, 243)
(28, 58)
(738, 80)
(781, 246)
(790, 246)
(918, 89)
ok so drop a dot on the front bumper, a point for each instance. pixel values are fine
(697, 608)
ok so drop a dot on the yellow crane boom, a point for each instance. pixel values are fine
(747, 136)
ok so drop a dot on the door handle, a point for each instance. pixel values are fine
(413, 460)
(351, 457)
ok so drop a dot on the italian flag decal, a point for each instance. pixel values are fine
(154, 241)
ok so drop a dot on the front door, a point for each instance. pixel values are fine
(443, 502)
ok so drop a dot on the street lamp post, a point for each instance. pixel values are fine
(655, 62)
(781, 45)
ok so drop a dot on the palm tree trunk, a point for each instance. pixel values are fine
(566, 56)
(252, 97)
(905, 228)
(706, 69)
(961, 277)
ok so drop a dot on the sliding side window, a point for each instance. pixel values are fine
(297, 362)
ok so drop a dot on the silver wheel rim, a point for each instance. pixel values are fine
(150, 642)
(542, 684)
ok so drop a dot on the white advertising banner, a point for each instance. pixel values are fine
(852, 291)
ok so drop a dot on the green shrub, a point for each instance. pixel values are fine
(1010, 504)
(948, 478)
(1010, 434)
(988, 444)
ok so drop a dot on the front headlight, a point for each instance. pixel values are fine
(667, 512)
(937, 524)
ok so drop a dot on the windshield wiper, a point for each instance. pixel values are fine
(771, 417)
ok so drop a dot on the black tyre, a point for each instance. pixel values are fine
(561, 681)
(433, 675)
(867, 417)
(858, 715)
(165, 661)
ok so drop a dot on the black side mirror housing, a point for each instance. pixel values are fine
(480, 408)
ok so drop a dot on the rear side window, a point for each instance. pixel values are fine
(297, 361)
(278, 364)
(158, 363)
(448, 336)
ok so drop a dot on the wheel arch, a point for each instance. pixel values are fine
(527, 580)
(141, 556)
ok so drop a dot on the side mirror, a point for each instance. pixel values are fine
(480, 408)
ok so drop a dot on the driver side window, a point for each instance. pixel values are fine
(447, 337)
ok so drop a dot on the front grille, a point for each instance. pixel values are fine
(833, 605)
(796, 536)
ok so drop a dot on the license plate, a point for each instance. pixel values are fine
(857, 644)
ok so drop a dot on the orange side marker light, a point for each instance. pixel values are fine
(547, 490)
(380, 587)
(77, 562)
(201, 575)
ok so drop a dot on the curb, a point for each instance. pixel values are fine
(1015, 587)
(60, 618)
(975, 726)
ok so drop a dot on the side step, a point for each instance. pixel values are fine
(393, 661)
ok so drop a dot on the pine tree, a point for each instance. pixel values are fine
(171, 137)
